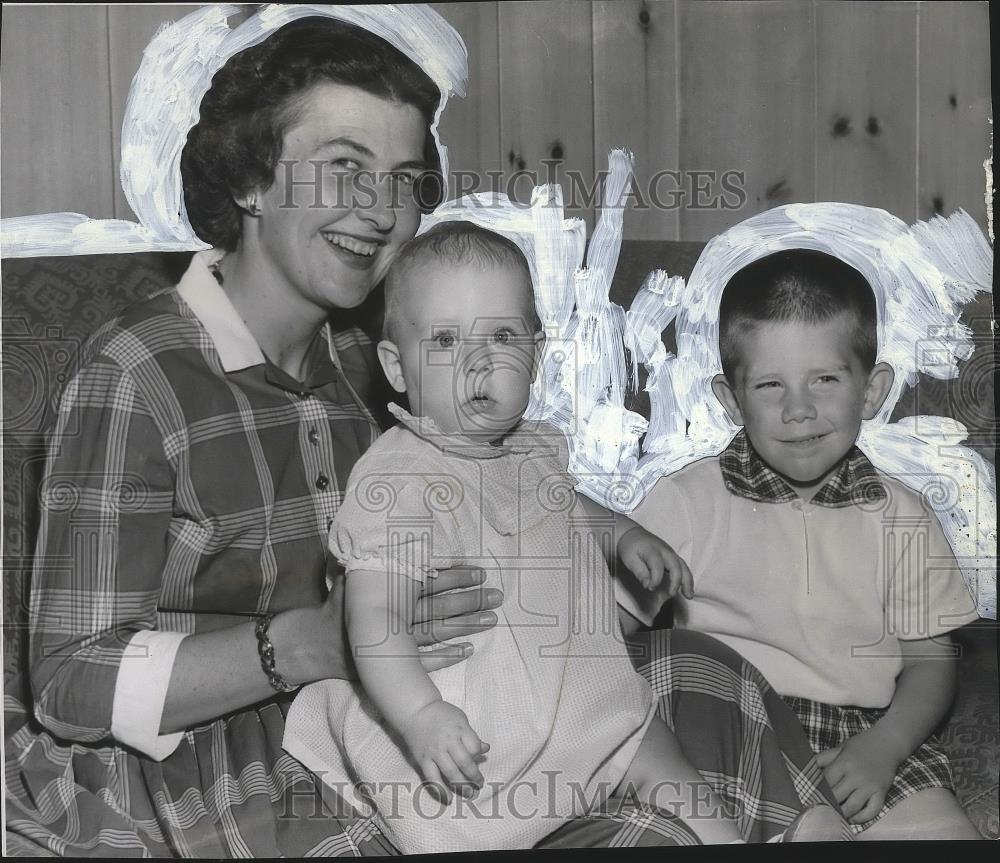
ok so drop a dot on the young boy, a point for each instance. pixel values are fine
(833, 579)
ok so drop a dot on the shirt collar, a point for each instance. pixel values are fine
(855, 481)
(235, 344)
(454, 444)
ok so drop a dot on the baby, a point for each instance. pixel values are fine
(547, 719)
(833, 579)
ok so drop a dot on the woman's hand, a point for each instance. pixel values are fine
(308, 651)
(452, 605)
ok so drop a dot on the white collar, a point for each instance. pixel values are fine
(235, 344)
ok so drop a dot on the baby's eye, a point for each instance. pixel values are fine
(763, 385)
(445, 340)
(502, 336)
(828, 379)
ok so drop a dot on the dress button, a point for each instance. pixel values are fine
(322, 482)
(303, 394)
(313, 436)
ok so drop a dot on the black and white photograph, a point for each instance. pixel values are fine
(498, 427)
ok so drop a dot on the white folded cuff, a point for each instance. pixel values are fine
(141, 690)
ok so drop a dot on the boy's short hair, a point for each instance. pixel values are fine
(455, 243)
(796, 285)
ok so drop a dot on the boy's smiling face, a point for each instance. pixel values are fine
(801, 393)
(465, 347)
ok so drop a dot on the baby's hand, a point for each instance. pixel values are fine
(446, 749)
(649, 559)
(860, 772)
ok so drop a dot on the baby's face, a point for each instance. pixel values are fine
(467, 346)
(801, 393)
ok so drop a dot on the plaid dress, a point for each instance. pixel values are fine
(190, 484)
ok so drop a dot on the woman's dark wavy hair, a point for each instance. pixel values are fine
(236, 144)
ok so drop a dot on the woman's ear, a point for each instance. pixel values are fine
(880, 380)
(388, 355)
(727, 398)
(249, 202)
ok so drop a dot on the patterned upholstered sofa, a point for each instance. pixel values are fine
(51, 305)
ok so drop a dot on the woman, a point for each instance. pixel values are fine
(204, 441)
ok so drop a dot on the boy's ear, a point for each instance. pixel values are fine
(727, 397)
(880, 380)
(388, 356)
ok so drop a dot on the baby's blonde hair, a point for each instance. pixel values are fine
(454, 243)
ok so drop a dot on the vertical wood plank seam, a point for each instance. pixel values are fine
(677, 101)
(593, 122)
(816, 118)
(916, 167)
(496, 32)
(111, 113)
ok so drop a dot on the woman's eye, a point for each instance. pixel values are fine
(345, 164)
(445, 340)
(502, 337)
(404, 179)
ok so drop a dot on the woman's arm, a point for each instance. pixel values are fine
(311, 644)
(105, 506)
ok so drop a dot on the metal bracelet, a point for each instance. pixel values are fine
(266, 652)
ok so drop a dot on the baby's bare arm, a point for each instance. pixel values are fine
(378, 609)
(649, 558)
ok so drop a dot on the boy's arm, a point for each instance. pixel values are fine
(378, 608)
(861, 770)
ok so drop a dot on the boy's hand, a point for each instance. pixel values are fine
(446, 749)
(651, 560)
(860, 772)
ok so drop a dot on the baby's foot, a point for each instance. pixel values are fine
(819, 823)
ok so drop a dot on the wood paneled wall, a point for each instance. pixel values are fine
(885, 104)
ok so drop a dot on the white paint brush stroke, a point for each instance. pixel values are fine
(163, 102)
(921, 276)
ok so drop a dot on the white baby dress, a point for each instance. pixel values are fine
(550, 688)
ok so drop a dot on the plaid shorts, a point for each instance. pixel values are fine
(829, 725)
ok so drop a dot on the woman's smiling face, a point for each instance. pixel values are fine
(342, 199)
